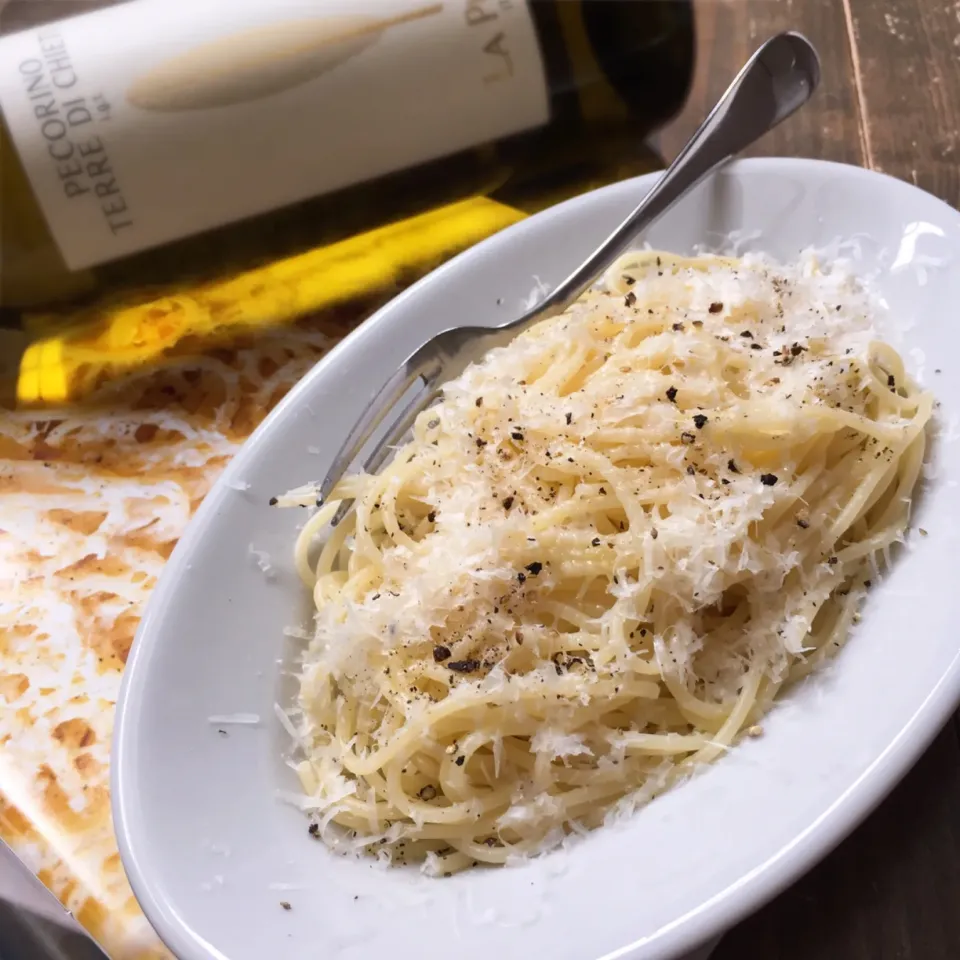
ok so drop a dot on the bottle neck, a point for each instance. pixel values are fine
(610, 61)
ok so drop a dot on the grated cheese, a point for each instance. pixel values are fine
(240, 719)
(600, 556)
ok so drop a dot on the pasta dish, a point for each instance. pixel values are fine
(600, 557)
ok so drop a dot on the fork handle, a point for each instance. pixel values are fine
(774, 83)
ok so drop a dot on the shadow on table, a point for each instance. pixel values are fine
(25, 935)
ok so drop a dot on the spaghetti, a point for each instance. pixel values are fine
(600, 558)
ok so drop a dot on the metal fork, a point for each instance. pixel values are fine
(775, 82)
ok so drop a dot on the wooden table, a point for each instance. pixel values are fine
(889, 100)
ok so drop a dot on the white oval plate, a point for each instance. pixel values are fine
(210, 850)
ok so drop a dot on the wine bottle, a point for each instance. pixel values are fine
(162, 140)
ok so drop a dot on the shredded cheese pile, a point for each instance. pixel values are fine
(600, 557)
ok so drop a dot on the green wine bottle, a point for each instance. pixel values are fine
(220, 135)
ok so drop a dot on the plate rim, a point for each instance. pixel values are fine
(709, 919)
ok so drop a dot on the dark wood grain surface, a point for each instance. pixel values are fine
(730, 30)
(907, 73)
(889, 100)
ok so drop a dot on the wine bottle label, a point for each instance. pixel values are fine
(154, 120)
